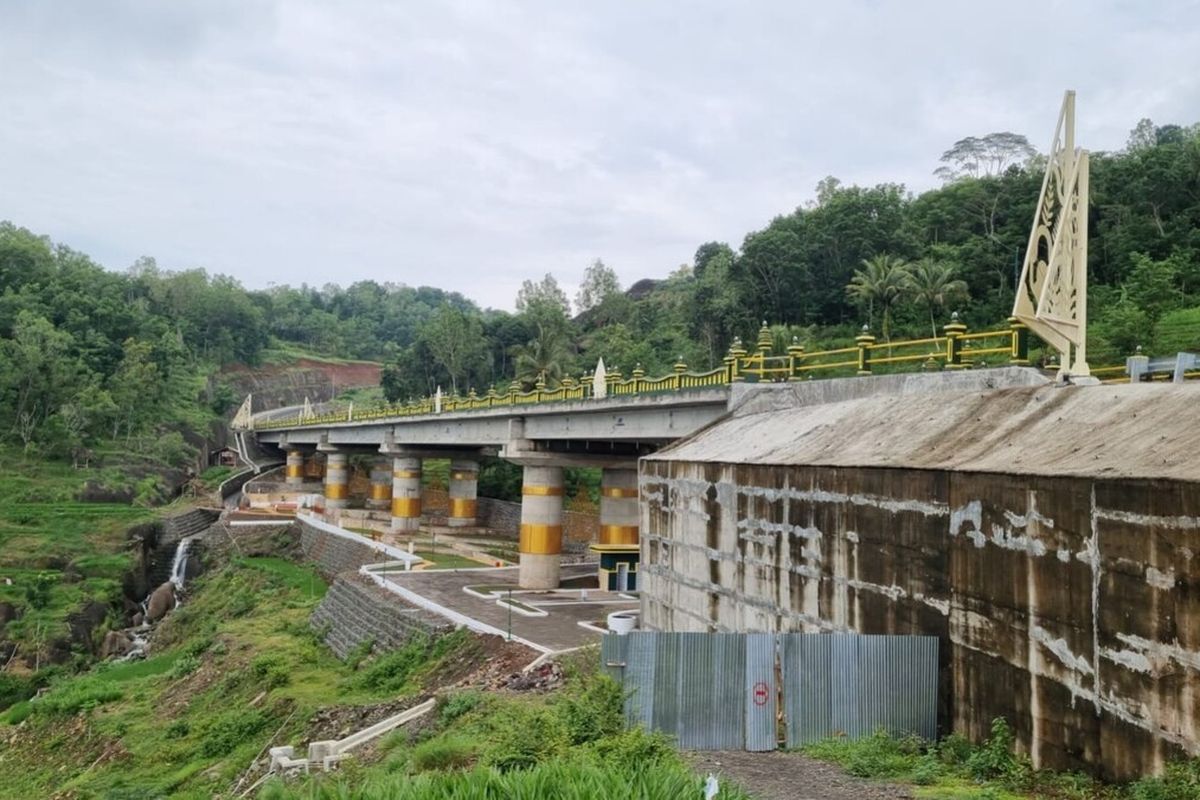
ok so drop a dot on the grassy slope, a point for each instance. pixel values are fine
(281, 353)
(235, 664)
(45, 532)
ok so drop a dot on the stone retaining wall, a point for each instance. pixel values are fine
(504, 516)
(333, 554)
(355, 610)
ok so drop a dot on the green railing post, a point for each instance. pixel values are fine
(638, 374)
(540, 386)
(954, 331)
(1020, 341)
(795, 353)
(680, 368)
(864, 341)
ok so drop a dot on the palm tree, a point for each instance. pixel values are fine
(544, 355)
(882, 282)
(933, 284)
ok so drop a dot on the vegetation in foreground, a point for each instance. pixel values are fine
(570, 745)
(954, 769)
(234, 668)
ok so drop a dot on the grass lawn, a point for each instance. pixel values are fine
(448, 560)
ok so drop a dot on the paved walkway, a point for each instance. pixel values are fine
(564, 608)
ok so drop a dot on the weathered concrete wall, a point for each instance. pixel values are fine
(1065, 589)
(355, 610)
(1070, 606)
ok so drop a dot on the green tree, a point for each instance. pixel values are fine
(599, 284)
(455, 341)
(546, 355)
(933, 284)
(882, 283)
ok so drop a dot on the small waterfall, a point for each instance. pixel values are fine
(179, 564)
(140, 634)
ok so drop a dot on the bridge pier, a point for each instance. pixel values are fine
(294, 471)
(541, 527)
(464, 481)
(406, 493)
(618, 545)
(381, 484)
(337, 479)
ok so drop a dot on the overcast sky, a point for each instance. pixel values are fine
(472, 144)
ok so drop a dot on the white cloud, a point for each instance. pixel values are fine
(470, 145)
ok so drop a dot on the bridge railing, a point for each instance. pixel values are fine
(955, 348)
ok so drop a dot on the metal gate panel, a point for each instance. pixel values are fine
(848, 684)
(807, 697)
(641, 661)
(721, 691)
(843, 682)
(761, 692)
(711, 672)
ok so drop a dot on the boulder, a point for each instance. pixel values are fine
(116, 644)
(138, 619)
(161, 602)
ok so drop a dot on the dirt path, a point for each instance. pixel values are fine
(791, 776)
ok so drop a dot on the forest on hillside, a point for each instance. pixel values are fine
(91, 357)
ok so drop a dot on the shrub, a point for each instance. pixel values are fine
(637, 746)
(443, 754)
(185, 665)
(598, 710)
(994, 760)
(358, 654)
(271, 670)
(38, 587)
(230, 730)
(1180, 781)
(453, 706)
(14, 689)
(955, 749)
(522, 736)
(177, 729)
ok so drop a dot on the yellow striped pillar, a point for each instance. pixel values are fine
(619, 507)
(337, 480)
(406, 494)
(381, 484)
(541, 527)
(464, 480)
(294, 471)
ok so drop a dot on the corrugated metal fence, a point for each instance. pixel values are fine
(726, 691)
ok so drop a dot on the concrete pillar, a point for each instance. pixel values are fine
(381, 484)
(337, 480)
(541, 527)
(406, 494)
(619, 507)
(464, 479)
(294, 472)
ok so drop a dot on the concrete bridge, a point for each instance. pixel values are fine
(544, 438)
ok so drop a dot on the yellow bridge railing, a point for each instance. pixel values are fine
(954, 349)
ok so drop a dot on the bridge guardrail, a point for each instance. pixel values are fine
(954, 349)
